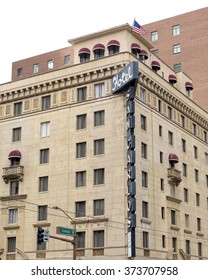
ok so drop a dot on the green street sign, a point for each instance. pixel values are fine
(66, 231)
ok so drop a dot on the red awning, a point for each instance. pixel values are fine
(173, 158)
(172, 79)
(155, 65)
(84, 50)
(189, 85)
(14, 154)
(113, 43)
(98, 47)
(143, 54)
(136, 46)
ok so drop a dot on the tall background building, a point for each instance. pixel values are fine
(182, 41)
(74, 154)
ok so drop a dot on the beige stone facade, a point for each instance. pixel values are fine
(71, 133)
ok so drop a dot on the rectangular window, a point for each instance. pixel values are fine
(159, 105)
(98, 238)
(142, 95)
(98, 207)
(80, 236)
(161, 157)
(81, 149)
(80, 208)
(46, 102)
(11, 244)
(174, 244)
(183, 143)
(67, 59)
(199, 249)
(194, 129)
(162, 185)
(198, 224)
(99, 90)
(143, 150)
(81, 121)
(44, 156)
(80, 178)
(145, 239)
(17, 109)
(16, 134)
(99, 146)
(185, 194)
(177, 67)
(144, 179)
(206, 180)
(50, 64)
(14, 187)
(99, 176)
(170, 137)
(176, 30)
(176, 49)
(163, 213)
(42, 212)
(160, 131)
(99, 118)
(145, 213)
(186, 220)
(206, 158)
(196, 175)
(184, 169)
(154, 36)
(143, 122)
(205, 136)
(173, 217)
(163, 241)
(170, 113)
(45, 128)
(182, 121)
(43, 184)
(13, 216)
(81, 94)
(19, 72)
(35, 68)
(197, 199)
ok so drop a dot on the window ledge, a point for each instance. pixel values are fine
(13, 197)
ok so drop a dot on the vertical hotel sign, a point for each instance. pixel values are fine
(127, 79)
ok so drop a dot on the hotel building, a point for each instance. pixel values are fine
(65, 157)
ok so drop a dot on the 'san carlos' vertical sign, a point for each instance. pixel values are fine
(127, 79)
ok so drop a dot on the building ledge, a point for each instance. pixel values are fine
(173, 199)
(13, 197)
(145, 221)
(186, 230)
(11, 227)
(174, 227)
(198, 233)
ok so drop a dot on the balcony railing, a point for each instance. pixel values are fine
(174, 176)
(13, 172)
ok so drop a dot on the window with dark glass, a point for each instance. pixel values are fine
(80, 236)
(16, 134)
(67, 59)
(144, 179)
(98, 238)
(99, 53)
(81, 121)
(80, 208)
(98, 207)
(43, 184)
(99, 146)
(11, 244)
(44, 156)
(99, 118)
(145, 210)
(80, 178)
(81, 149)
(99, 176)
(145, 237)
(81, 94)
(17, 109)
(19, 72)
(46, 102)
(42, 212)
(14, 187)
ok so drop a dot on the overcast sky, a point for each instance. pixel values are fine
(29, 28)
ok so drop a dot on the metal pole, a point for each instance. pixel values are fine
(74, 242)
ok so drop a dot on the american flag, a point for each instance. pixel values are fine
(136, 28)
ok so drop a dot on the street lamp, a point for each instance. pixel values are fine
(74, 242)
